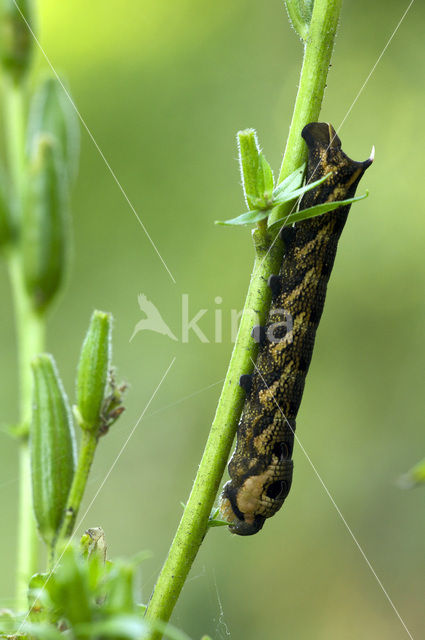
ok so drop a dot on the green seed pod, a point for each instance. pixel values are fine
(52, 446)
(92, 373)
(16, 40)
(45, 228)
(52, 113)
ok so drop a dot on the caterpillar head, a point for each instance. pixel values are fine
(258, 497)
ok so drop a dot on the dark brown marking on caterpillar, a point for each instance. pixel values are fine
(245, 382)
(274, 282)
(258, 334)
(261, 466)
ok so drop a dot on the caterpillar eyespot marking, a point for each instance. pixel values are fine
(258, 334)
(287, 234)
(261, 467)
(274, 285)
(245, 381)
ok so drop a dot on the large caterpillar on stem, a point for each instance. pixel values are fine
(261, 466)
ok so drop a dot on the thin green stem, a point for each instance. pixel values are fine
(194, 522)
(317, 56)
(88, 446)
(30, 333)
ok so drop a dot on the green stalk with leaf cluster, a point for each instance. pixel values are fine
(316, 23)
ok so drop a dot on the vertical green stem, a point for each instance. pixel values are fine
(88, 446)
(30, 333)
(317, 57)
(194, 522)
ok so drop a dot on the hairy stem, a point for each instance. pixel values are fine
(88, 446)
(194, 522)
(317, 56)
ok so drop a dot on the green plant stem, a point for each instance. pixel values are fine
(317, 56)
(30, 333)
(194, 522)
(88, 446)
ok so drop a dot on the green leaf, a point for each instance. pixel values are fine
(317, 210)
(217, 523)
(37, 598)
(8, 622)
(69, 589)
(293, 181)
(287, 195)
(168, 631)
(42, 630)
(125, 626)
(265, 179)
(299, 13)
(414, 477)
(250, 217)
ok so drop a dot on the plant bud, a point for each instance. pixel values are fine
(45, 229)
(52, 113)
(257, 176)
(52, 446)
(92, 373)
(16, 40)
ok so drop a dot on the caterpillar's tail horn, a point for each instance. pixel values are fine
(370, 159)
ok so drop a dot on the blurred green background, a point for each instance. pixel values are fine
(163, 87)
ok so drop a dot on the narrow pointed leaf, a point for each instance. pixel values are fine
(299, 13)
(250, 217)
(287, 196)
(317, 210)
(293, 181)
(414, 477)
(265, 181)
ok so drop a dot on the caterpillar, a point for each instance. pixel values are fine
(261, 466)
